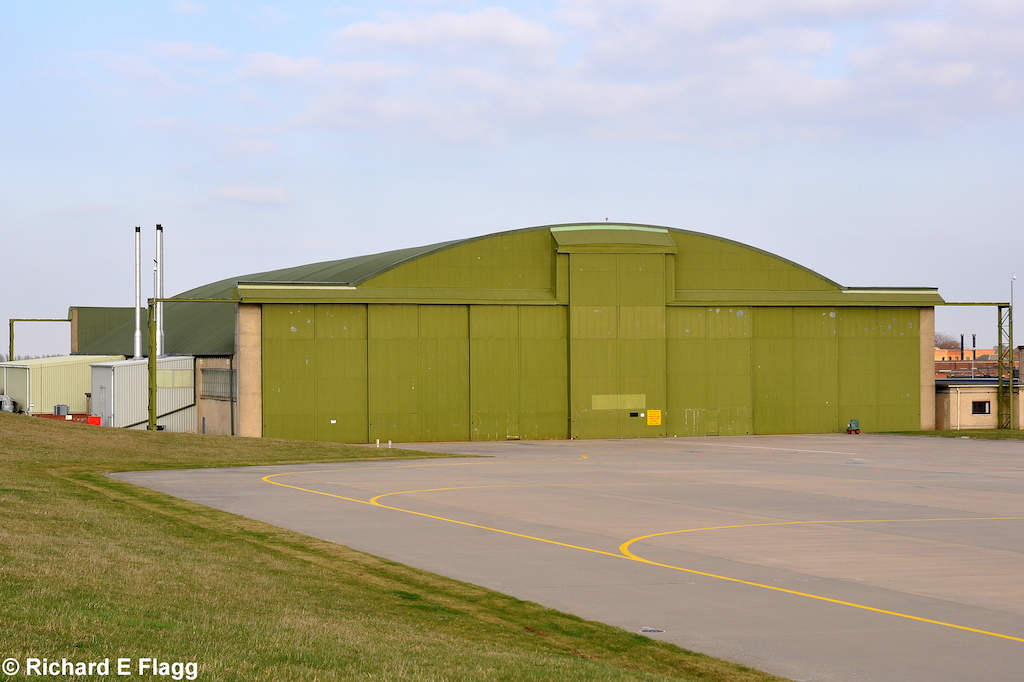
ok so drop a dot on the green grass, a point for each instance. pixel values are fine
(1001, 434)
(92, 567)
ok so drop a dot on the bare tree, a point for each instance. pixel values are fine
(948, 341)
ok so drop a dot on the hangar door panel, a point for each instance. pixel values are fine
(879, 368)
(518, 378)
(796, 370)
(494, 371)
(444, 372)
(617, 346)
(314, 372)
(899, 378)
(418, 382)
(393, 372)
(289, 372)
(341, 410)
(544, 372)
(709, 371)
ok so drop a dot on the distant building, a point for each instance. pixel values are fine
(977, 363)
(962, 404)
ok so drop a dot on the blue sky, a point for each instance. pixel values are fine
(876, 141)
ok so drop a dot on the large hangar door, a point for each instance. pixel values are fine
(418, 378)
(796, 370)
(314, 372)
(617, 344)
(518, 372)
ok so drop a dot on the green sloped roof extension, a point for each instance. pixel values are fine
(93, 326)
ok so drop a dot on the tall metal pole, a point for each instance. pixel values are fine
(137, 348)
(158, 290)
(10, 354)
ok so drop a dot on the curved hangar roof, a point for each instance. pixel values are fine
(505, 267)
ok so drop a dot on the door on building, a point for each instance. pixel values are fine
(617, 344)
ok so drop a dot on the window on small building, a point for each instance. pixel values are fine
(217, 383)
(981, 407)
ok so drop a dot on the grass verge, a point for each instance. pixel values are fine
(94, 568)
(994, 434)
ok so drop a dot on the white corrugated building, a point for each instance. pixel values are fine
(120, 393)
(41, 383)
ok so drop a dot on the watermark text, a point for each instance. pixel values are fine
(117, 667)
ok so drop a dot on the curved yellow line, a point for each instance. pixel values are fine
(625, 545)
(373, 503)
(627, 554)
(624, 548)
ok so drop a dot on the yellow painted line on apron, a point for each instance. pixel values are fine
(373, 503)
(624, 548)
(629, 555)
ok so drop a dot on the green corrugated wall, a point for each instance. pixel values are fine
(356, 373)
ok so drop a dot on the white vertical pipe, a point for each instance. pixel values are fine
(158, 289)
(138, 293)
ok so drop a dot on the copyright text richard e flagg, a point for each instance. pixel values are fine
(117, 667)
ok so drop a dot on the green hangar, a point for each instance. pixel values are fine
(569, 331)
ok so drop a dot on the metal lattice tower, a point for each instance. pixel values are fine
(1005, 390)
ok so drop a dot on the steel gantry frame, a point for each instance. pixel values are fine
(1004, 354)
(154, 343)
(10, 322)
(1005, 387)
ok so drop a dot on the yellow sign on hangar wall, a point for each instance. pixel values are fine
(654, 417)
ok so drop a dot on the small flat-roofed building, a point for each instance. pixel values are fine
(962, 404)
(41, 383)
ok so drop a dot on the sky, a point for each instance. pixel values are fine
(878, 142)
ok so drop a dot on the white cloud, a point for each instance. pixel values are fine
(485, 33)
(271, 67)
(187, 8)
(270, 16)
(632, 69)
(710, 16)
(251, 146)
(164, 124)
(180, 49)
(252, 194)
(139, 71)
